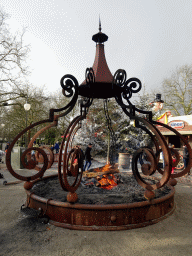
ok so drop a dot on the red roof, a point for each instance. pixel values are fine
(100, 67)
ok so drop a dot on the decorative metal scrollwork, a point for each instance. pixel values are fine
(149, 169)
(127, 87)
(132, 84)
(50, 156)
(68, 83)
(120, 77)
(70, 176)
(89, 76)
(70, 172)
(27, 157)
(29, 162)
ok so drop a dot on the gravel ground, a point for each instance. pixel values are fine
(23, 235)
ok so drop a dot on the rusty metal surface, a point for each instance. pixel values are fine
(167, 158)
(99, 83)
(29, 164)
(104, 217)
(73, 154)
(70, 87)
(148, 169)
(49, 154)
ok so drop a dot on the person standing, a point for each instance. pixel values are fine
(185, 156)
(87, 157)
(52, 148)
(7, 146)
(81, 157)
(56, 147)
(173, 162)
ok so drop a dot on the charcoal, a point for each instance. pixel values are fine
(89, 192)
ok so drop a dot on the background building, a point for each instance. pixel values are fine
(183, 124)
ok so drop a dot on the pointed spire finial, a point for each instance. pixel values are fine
(100, 37)
(99, 24)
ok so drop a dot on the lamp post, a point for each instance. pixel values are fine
(27, 107)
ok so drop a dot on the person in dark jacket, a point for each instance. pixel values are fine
(7, 146)
(81, 156)
(87, 157)
(56, 147)
(185, 156)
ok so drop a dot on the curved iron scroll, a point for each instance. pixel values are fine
(125, 92)
(70, 89)
(122, 89)
(71, 169)
(162, 143)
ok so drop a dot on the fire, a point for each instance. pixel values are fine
(104, 176)
(103, 169)
(107, 181)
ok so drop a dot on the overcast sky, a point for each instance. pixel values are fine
(147, 38)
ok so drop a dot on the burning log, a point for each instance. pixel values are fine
(100, 171)
(104, 176)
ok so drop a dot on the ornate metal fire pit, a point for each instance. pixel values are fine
(99, 83)
(100, 209)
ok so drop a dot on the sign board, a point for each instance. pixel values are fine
(177, 124)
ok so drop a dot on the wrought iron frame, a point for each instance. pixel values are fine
(122, 89)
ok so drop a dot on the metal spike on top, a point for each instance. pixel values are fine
(99, 24)
(100, 37)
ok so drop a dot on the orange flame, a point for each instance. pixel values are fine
(108, 181)
(103, 169)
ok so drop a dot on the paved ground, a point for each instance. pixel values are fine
(23, 235)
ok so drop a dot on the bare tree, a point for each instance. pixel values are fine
(177, 91)
(13, 68)
(14, 116)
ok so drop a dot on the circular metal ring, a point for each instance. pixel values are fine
(40, 159)
(30, 164)
(146, 168)
(119, 77)
(167, 171)
(73, 154)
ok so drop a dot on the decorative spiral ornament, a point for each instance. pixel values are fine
(70, 176)
(27, 157)
(147, 160)
(119, 77)
(69, 84)
(124, 88)
(89, 76)
(149, 169)
(132, 85)
(40, 159)
(29, 162)
(72, 171)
